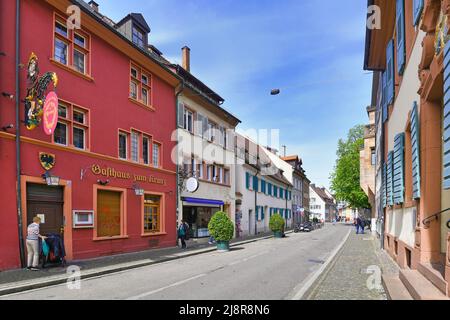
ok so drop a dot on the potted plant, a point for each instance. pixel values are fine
(222, 229)
(276, 224)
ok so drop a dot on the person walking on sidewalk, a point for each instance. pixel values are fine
(359, 225)
(182, 233)
(33, 236)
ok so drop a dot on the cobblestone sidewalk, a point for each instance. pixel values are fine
(355, 269)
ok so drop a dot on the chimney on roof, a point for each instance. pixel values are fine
(186, 58)
(94, 5)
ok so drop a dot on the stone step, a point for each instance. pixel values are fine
(395, 289)
(419, 287)
(434, 274)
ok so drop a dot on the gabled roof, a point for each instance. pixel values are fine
(207, 93)
(110, 25)
(321, 193)
(138, 18)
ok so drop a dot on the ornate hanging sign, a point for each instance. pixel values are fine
(50, 115)
(37, 87)
(47, 160)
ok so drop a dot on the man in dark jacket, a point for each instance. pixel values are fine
(360, 223)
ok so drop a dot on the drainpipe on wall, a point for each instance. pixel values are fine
(18, 166)
(177, 94)
(256, 207)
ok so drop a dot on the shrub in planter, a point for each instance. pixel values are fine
(276, 224)
(222, 229)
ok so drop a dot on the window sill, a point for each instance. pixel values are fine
(215, 183)
(71, 147)
(72, 70)
(140, 104)
(155, 234)
(110, 238)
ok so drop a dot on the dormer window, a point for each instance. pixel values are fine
(138, 37)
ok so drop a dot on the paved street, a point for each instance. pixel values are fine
(267, 269)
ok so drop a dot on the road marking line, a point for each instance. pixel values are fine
(248, 258)
(166, 287)
(313, 277)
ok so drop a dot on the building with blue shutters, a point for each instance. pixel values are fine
(410, 58)
(261, 189)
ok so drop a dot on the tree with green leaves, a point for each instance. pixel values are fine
(346, 174)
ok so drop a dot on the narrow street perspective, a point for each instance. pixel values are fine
(273, 268)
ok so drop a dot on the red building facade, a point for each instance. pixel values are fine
(112, 146)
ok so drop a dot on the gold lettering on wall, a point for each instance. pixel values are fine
(109, 172)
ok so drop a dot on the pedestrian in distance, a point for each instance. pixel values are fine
(360, 223)
(182, 233)
(369, 224)
(33, 235)
(355, 223)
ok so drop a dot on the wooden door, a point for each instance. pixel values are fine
(46, 202)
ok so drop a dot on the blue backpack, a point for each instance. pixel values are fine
(45, 248)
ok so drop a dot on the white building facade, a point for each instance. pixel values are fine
(259, 195)
(317, 205)
(205, 151)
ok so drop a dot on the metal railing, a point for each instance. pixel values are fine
(427, 221)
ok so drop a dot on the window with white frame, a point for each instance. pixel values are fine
(72, 127)
(188, 120)
(123, 148)
(134, 146)
(145, 150)
(200, 170)
(156, 155)
(71, 48)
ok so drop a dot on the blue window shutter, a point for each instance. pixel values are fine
(384, 98)
(389, 179)
(415, 147)
(446, 121)
(262, 213)
(400, 31)
(275, 191)
(263, 186)
(417, 11)
(255, 183)
(399, 168)
(247, 180)
(390, 78)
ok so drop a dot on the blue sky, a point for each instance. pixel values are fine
(311, 49)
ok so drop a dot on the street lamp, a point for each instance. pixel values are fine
(138, 191)
(50, 179)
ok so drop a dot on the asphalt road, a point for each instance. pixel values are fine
(272, 269)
